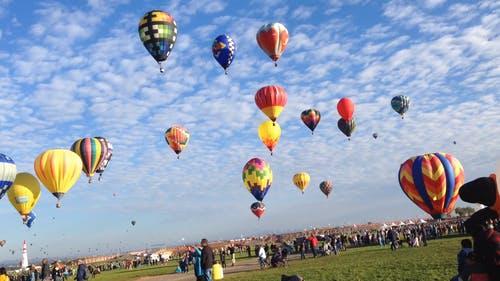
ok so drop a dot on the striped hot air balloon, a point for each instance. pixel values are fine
(92, 152)
(432, 182)
(58, 170)
(271, 100)
(8, 173)
(326, 187)
(177, 137)
(301, 180)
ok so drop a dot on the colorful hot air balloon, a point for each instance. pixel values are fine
(92, 152)
(257, 177)
(258, 209)
(311, 118)
(3, 242)
(58, 170)
(326, 187)
(8, 173)
(301, 180)
(272, 39)
(269, 134)
(158, 32)
(271, 100)
(24, 194)
(432, 182)
(345, 107)
(400, 104)
(223, 49)
(30, 219)
(177, 137)
(107, 157)
(347, 127)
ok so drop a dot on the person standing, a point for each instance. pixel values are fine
(314, 244)
(45, 274)
(3, 274)
(233, 254)
(82, 271)
(222, 256)
(262, 257)
(195, 255)
(207, 259)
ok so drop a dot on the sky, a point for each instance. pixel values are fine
(74, 69)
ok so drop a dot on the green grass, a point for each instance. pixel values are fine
(437, 261)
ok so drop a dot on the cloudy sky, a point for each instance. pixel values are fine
(70, 70)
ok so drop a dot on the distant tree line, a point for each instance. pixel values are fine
(465, 211)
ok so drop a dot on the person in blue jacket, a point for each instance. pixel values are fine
(195, 256)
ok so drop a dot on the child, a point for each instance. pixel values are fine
(462, 256)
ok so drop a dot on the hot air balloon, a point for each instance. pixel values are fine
(269, 134)
(271, 100)
(177, 137)
(132, 222)
(347, 127)
(92, 153)
(258, 209)
(8, 173)
(158, 32)
(30, 219)
(107, 157)
(301, 180)
(223, 49)
(375, 135)
(345, 107)
(3, 242)
(400, 104)
(58, 170)
(272, 39)
(432, 182)
(326, 187)
(24, 194)
(257, 177)
(311, 118)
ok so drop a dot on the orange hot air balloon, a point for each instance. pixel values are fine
(271, 100)
(177, 137)
(269, 134)
(58, 170)
(272, 39)
(432, 182)
(345, 107)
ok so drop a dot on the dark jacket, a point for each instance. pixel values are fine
(80, 272)
(207, 258)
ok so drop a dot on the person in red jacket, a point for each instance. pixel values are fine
(314, 244)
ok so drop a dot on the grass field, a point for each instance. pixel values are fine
(437, 261)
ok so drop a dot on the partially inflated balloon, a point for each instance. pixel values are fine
(326, 187)
(92, 152)
(400, 104)
(177, 137)
(258, 209)
(24, 193)
(257, 177)
(8, 173)
(311, 118)
(301, 180)
(432, 182)
(269, 134)
(158, 33)
(272, 39)
(345, 107)
(347, 127)
(271, 100)
(223, 49)
(58, 170)
(107, 157)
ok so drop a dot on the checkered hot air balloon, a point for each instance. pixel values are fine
(8, 173)
(432, 182)
(273, 39)
(257, 177)
(223, 49)
(158, 33)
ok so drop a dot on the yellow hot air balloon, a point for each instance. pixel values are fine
(58, 170)
(269, 134)
(24, 193)
(301, 180)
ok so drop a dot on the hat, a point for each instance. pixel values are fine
(481, 190)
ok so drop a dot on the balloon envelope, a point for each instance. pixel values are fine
(257, 177)
(273, 39)
(345, 107)
(107, 157)
(8, 173)
(24, 193)
(177, 137)
(400, 104)
(269, 134)
(301, 180)
(347, 127)
(326, 187)
(271, 100)
(375, 135)
(223, 49)
(310, 117)
(158, 33)
(58, 170)
(92, 153)
(258, 209)
(432, 182)
(132, 222)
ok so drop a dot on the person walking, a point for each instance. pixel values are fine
(207, 259)
(262, 257)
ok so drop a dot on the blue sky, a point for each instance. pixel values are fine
(70, 70)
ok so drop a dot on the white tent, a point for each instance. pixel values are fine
(410, 222)
(393, 224)
(422, 221)
(401, 223)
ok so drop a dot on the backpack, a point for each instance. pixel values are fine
(86, 274)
